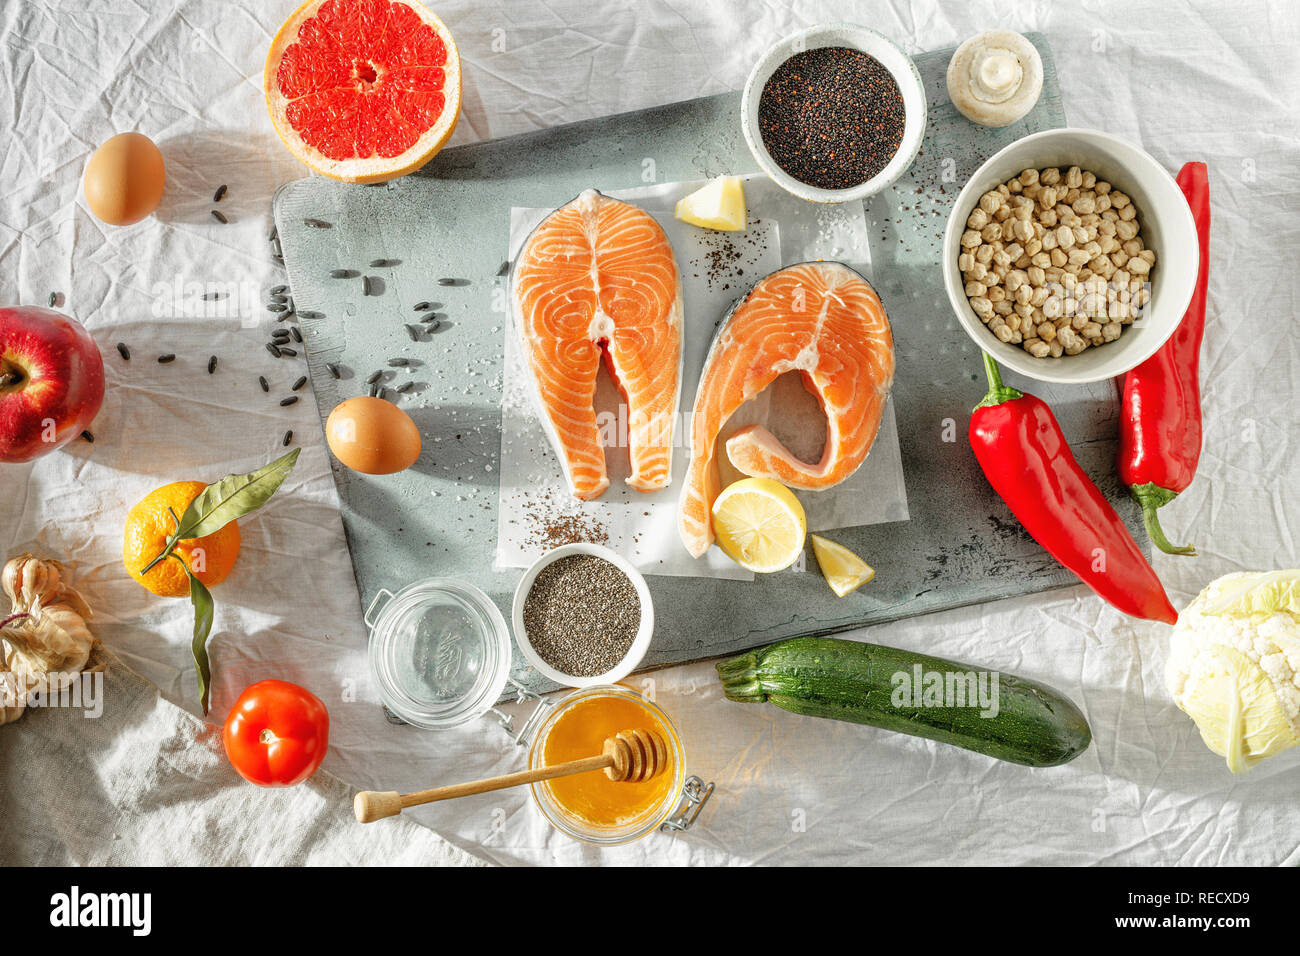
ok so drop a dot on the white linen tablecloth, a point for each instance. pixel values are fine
(1191, 80)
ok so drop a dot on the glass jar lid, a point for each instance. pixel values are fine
(440, 651)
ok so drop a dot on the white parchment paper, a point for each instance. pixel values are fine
(643, 527)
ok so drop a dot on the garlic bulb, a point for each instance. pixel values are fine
(44, 641)
(995, 78)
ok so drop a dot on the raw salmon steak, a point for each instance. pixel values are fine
(821, 319)
(597, 276)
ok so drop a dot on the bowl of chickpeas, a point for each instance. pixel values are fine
(1070, 256)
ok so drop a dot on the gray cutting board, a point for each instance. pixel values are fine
(961, 545)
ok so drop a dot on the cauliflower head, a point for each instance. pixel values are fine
(1234, 665)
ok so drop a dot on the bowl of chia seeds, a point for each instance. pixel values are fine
(583, 616)
(834, 113)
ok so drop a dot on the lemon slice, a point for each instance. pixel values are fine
(760, 524)
(844, 571)
(719, 204)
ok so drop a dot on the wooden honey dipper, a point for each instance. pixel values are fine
(631, 756)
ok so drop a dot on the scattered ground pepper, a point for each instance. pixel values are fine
(831, 117)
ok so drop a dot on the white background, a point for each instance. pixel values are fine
(1214, 82)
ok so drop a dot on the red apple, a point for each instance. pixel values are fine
(51, 381)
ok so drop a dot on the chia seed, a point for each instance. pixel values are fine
(831, 117)
(581, 615)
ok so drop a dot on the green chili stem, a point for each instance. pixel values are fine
(1152, 497)
(998, 393)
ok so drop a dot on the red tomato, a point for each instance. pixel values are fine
(277, 734)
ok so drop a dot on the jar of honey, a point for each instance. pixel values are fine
(591, 807)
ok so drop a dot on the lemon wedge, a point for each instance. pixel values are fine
(760, 524)
(719, 204)
(844, 571)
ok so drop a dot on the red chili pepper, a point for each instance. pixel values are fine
(1025, 457)
(1160, 420)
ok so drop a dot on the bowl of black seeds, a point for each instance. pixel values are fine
(834, 113)
(583, 615)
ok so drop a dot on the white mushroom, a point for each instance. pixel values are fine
(995, 78)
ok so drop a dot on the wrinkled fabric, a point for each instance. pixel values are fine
(1191, 80)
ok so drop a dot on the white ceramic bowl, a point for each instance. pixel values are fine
(1167, 228)
(854, 37)
(640, 644)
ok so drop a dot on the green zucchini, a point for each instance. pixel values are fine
(998, 715)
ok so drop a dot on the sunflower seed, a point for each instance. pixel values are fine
(374, 378)
(405, 387)
(212, 364)
(285, 350)
(317, 224)
(426, 306)
(298, 383)
(220, 194)
(384, 263)
(453, 282)
(344, 273)
(279, 334)
(288, 437)
(273, 349)
(374, 391)
(166, 357)
(279, 289)
(505, 267)
(398, 362)
(414, 332)
(433, 320)
(276, 307)
(288, 401)
(333, 370)
(123, 351)
(261, 380)
(219, 217)
(307, 314)
(297, 336)
(87, 436)
(214, 296)
(273, 234)
(279, 298)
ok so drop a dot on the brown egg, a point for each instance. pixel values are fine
(124, 179)
(373, 436)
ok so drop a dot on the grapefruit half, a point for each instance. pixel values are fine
(363, 90)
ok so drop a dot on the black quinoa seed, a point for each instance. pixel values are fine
(219, 217)
(831, 117)
(297, 336)
(123, 351)
(288, 401)
(261, 380)
(317, 224)
(88, 437)
(374, 378)
(273, 349)
(333, 370)
(285, 350)
(166, 357)
(220, 194)
(288, 437)
(299, 382)
(212, 364)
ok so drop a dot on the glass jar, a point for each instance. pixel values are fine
(576, 726)
(439, 650)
